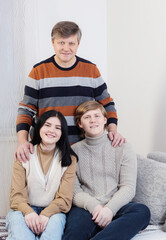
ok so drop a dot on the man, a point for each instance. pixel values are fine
(105, 184)
(62, 82)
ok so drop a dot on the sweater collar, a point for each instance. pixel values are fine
(65, 69)
(98, 140)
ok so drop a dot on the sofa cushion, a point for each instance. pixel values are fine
(158, 156)
(151, 187)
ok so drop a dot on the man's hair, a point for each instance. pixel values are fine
(87, 106)
(65, 29)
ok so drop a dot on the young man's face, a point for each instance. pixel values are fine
(65, 50)
(93, 123)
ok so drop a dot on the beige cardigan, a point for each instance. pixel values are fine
(62, 201)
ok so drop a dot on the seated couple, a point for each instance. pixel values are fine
(104, 185)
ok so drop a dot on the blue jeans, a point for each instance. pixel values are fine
(18, 230)
(128, 221)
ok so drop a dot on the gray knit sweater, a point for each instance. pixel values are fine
(105, 175)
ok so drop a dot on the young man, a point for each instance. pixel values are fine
(105, 184)
(62, 82)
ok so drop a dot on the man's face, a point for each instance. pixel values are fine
(93, 123)
(65, 50)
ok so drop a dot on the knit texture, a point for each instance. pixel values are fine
(50, 86)
(105, 175)
(157, 156)
(151, 186)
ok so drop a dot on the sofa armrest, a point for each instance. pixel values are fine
(157, 156)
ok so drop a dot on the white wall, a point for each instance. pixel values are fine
(26, 26)
(137, 72)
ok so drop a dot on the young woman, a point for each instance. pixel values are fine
(42, 188)
(105, 184)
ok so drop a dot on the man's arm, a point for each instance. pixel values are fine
(104, 98)
(127, 179)
(82, 199)
(28, 107)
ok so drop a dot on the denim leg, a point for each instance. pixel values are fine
(79, 225)
(128, 221)
(55, 227)
(17, 228)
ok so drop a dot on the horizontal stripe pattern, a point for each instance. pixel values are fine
(70, 81)
(69, 91)
(28, 100)
(32, 83)
(66, 111)
(49, 69)
(65, 101)
(49, 87)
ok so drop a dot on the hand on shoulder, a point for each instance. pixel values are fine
(116, 138)
(22, 151)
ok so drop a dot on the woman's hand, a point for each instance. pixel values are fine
(33, 222)
(43, 222)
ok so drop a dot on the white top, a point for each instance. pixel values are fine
(42, 188)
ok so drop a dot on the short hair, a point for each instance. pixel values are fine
(87, 106)
(66, 29)
(63, 143)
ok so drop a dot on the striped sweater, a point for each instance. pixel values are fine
(50, 86)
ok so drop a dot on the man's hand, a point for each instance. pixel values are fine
(102, 216)
(96, 211)
(22, 151)
(24, 147)
(43, 222)
(116, 138)
(33, 222)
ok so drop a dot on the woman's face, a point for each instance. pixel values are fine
(50, 132)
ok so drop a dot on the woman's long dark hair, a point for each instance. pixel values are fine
(63, 143)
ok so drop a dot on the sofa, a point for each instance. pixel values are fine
(151, 191)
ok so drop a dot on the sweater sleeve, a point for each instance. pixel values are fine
(103, 97)
(127, 182)
(28, 107)
(64, 195)
(82, 199)
(18, 194)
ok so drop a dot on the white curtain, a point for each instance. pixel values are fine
(12, 74)
(17, 21)
(25, 40)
